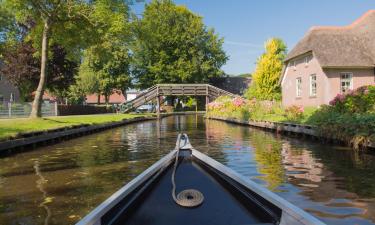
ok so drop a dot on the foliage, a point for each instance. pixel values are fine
(246, 109)
(269, 159)
(349, 118)
(106, 64)
(361, 100)
(191, 102)
(6, 25)
(294, 112)
(355, 129)
(172, 45)
(265, 83)
(245, 75)
(22, 69)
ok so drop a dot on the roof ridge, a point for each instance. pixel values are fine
(347, 27)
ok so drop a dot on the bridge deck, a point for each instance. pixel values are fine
(211, 92)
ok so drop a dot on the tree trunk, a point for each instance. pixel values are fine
(106, 98)
(98, 98)
(36, 110)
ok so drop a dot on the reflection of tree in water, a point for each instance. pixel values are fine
(357, 169)
(267, 152)
(40, 183)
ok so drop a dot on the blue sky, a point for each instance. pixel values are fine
(246, 24)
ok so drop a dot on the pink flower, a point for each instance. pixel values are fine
(238, 101)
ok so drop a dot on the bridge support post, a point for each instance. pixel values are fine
(207, 101)
(196, 104)
(158, 106)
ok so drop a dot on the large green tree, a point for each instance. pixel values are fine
(77, 26)
(66, 23)
(172, 45)
(265, 79)
(106, 64)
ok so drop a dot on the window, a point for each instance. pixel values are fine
(1, 77)
(298, 87)
(292, 64)
(307, 60)
(312, 85)
(346, 82)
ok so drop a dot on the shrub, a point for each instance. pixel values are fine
(361, 100)
(356, 129)
(294, 113)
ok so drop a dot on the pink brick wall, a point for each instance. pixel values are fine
(328, 82)
(303, 70)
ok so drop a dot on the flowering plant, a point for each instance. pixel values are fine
(294, 112)
(359, 100)
(238, 102)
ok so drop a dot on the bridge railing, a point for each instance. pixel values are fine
(175, 90)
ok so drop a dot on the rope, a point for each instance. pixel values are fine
(189, 197)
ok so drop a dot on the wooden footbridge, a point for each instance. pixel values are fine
(155, 92)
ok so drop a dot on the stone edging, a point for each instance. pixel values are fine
(34, 138)
(279, 127)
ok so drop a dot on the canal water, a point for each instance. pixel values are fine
(61, 183)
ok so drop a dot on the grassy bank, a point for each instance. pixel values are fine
(13, 127)
(349, 117)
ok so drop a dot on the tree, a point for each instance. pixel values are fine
(106, 63)
(265, 79)
(172, 45)
(22, 69)
(6, 22)
(66, 23)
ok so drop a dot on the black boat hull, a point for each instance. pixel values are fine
(229, 198)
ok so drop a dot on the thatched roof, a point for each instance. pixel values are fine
(348, 46)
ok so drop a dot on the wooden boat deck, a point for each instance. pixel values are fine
(222, 205)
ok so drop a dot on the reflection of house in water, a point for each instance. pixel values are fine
(301, 165)
(316, 182)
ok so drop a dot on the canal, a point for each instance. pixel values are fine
(61, 183)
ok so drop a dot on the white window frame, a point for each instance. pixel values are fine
(298, 87)
(346, 79)
(313, 82)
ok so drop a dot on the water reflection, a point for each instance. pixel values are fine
(60, 184)
(40, 183)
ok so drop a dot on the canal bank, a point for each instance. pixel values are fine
(25, 141)
(289, 128)
(59, 184)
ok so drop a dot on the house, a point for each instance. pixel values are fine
(8, 92)
(236, 85)
(329, 61)
(115, 98)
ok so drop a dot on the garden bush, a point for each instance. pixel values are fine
(294, 113)
(349, 117)
(361, 100)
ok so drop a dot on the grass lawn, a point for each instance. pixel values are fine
(13, 127)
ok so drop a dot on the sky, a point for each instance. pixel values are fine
(246, 24)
